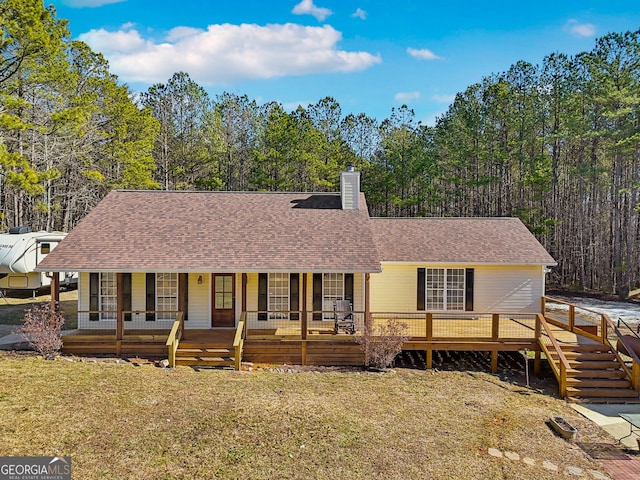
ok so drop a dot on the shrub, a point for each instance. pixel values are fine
(381, 343)
(41, 328)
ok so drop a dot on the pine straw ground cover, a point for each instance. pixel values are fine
(119, 420)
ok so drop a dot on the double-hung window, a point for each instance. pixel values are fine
(108, 296)
(332, 290)
(278, 299)
(166, 296)
(445, 288)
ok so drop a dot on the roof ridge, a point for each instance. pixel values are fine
(223, 192)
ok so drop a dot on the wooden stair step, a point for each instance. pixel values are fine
(599, 382)
(596, 373)
(601, 392)
(581, 356)
(588, 347)
(593, 365)
(184, 344)
(216, 352)
(205, 361)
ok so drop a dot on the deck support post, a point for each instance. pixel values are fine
(119, 312)
(494, 361)
(429, 336)
(303, 321)
(537, 365)
(303, 346)
(55, 291)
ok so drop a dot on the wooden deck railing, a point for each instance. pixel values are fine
(175, 335)
(585, 322)
(238, 341)
(634, 372)
(559, 370)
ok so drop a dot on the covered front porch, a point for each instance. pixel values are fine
(579, 344)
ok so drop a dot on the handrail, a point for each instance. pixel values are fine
(173, 340)
(238, 341)
(607, 324)
(634, 373)
(561, 373)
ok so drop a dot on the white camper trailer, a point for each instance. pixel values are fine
(20, 251)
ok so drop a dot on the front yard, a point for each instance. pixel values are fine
(122, 420)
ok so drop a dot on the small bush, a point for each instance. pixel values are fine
(381, 343)
(42, 329)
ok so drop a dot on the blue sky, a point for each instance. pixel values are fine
(370, 55)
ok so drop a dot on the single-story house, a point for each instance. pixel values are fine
(282, 260)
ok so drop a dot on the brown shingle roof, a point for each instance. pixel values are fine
(457, 240)
(214, 231)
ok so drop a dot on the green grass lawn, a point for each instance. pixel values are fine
(118, 420)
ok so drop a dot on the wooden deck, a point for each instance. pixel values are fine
(577, 346)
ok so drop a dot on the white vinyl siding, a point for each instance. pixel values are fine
(510, 288)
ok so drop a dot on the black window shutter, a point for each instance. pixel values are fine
(151, 297)
(422, 289)
(468, 289)
(317, 296)
(348, 287)
(263, 281)
(126, 296)
(294, 295)
(94, 296)
(183, 294)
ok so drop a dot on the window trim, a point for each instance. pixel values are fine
(272, 315)
(463, 292)
(173, 289)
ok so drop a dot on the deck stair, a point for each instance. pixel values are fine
(196, 354)
(595, 374)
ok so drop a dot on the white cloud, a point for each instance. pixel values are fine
(89, 3)
(306, 7)
(293, 106)
(423, 54)
(359, 13)
(580, 29)
(406, 96)
(443, 98)
(226, 53)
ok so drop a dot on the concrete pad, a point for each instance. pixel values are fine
(605, 415)
(13, 342)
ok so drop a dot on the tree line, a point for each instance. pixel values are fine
(555, 144)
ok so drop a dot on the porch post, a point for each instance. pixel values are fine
(55, 290)
(303, 323)
(367, 300)
(244, 292)
(119, 314)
